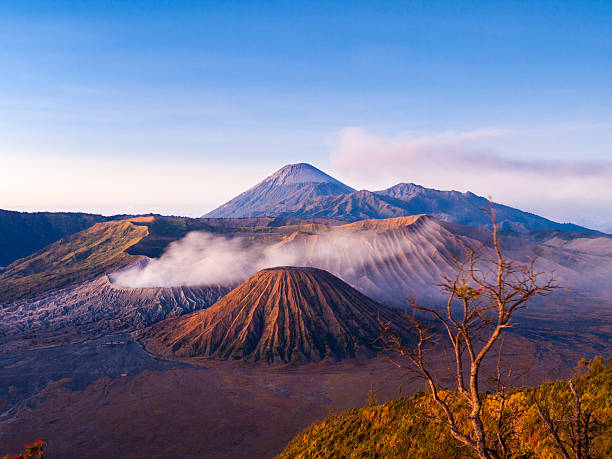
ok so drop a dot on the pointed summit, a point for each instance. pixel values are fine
(302, 173)
(286, 188)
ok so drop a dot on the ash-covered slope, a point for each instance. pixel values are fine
(391, 259)
(285, 314)
(302, 191)
(387, 259)
(95, 308)
(286, 188)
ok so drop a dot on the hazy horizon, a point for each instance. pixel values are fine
(196, 210)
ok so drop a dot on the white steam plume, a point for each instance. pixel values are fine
(202, 258)
(385, 265)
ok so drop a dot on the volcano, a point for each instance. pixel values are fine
(280, 315)
(303, 191)
(286, 189)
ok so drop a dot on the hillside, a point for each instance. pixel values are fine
(283, 314)
(302, 191)
(82, 256)
(354, 206)
(404, 427)
(23, 233)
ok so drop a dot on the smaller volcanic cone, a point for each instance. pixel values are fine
(285, 314)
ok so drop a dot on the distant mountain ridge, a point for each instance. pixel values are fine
(466, 209)
(303, 191)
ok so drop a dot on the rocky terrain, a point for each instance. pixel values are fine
(96, 308)
(64, 286)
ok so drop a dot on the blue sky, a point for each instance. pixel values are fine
(178, 106)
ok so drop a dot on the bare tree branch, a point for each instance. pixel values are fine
(485, 292)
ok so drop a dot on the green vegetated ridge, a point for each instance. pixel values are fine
(79, 257)
(23, 233)
(406, 427)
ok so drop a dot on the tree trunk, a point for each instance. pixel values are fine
(479, 433)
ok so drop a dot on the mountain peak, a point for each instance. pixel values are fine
(303, 191)
(291, 185)
(302, 173)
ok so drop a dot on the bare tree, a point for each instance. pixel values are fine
(571, 426)
(482, 298)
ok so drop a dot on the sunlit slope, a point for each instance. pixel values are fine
(23, 233)
(390, 259)
(285, 314)
(82, 256)
(404, 427)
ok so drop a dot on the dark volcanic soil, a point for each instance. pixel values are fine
(171, 409)
(24, 375)
(76, 397)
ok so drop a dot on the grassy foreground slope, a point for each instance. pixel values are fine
(405, 427)
(76, 258)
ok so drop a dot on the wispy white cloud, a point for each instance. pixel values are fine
(489, 161)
